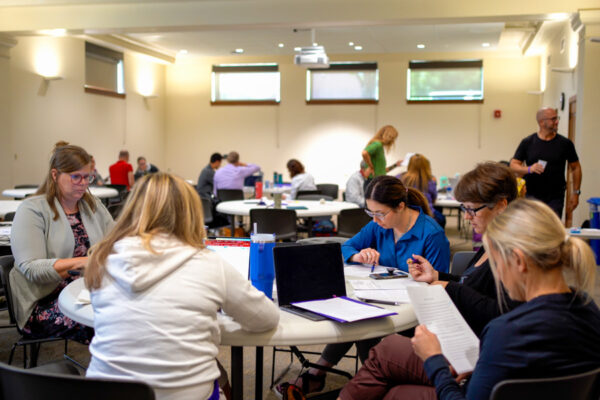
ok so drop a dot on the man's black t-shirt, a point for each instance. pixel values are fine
(551, 183)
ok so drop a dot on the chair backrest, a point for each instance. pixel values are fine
(207, 209)
(9, 216)
(230, 194)
(306, 192)
(123, 193)
(272, 220)
(27, 186)
(460, 261)
(313, 197)
(28, 384)
(351, 221)
(329, 189)
(584, 386)
(6, 265)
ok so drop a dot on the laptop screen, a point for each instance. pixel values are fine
(236, 251)
(308, 272)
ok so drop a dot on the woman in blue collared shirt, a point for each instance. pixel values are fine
(401, 227)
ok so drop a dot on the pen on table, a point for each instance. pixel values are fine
(372, 268)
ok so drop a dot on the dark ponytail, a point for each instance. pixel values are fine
(391, 192)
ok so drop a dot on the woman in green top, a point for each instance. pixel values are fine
(374, 154)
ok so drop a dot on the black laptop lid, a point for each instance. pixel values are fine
(308, 272)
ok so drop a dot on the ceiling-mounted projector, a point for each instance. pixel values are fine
(312, 57)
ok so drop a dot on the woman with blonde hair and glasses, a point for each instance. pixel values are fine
(156, 291)
(51, 234)
(554, 333)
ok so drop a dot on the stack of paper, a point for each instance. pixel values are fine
(343, 309)
(386, 291)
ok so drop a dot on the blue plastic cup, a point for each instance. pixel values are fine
(262, 272)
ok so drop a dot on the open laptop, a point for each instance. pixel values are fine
(236, 251)
(308, 272)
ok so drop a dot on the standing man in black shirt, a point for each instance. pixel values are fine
(540, 159)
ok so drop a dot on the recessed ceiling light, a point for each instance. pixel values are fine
(421, 46)
(183, 51)
(297, 48)
(280, 45)
(350, 43)
(357, 48)
(238, 51)
(486, 44)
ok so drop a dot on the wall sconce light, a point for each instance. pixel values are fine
(46, 82)
(563, 70)
(150, 96)
(51, 78)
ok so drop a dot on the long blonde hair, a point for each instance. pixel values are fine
(160, 203)
(418, 174)
(533, 228)
(386, 135)
(65, 159)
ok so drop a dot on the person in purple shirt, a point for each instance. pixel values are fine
(232, 175)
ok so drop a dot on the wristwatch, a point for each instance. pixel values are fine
(577, 192)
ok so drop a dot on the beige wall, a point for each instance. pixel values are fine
(328, 139)
(5, 139)
(40, 116)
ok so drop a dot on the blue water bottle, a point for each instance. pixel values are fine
(262, 272)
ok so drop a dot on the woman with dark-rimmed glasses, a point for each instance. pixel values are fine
(51, 234)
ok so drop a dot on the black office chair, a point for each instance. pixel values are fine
(230, 194)
(329, 189)
(9, 216)
(207, 210)
(460, 262)
(584, 386)
(351, 221)
(278, 221)
(37, 383)
(306, 192)
(6, 265)
(27, 186)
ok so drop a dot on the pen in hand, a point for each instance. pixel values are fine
(372, 268)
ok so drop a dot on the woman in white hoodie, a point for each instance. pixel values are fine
(156, 292)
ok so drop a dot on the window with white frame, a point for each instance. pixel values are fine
(445, 81)
(343, 82)
(245, 83)
(104, 71)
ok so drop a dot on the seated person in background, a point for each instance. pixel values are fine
(232, 175)
(301, 180)
(400, 228)
(418, 175)
(121, 172)
(554, 333)
(51, 234)
(97, 181)
(152, 279)
(484, 193)
(205, 180)
(144, 168)
(355, 187)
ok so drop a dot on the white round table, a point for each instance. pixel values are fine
(98, 191)
(292, 330)
(306, 208)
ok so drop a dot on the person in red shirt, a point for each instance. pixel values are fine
(121, 172)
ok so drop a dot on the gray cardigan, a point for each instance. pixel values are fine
(38, 241)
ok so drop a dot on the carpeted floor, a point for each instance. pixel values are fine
(53, 351)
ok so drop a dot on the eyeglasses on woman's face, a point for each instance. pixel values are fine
(472, 211)
(78, 179)
(377, 214)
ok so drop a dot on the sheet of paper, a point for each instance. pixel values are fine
(383, 296)
(435, 309)
(406, 159)
(362, 270)
(5, 230)
(343, 309)
(384, 284)
(83, 297)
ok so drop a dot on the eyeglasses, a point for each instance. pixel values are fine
(472, 211)
(557, 118)
(76, 179)
(376, 214)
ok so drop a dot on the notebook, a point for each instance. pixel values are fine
(236, 251)
(308, 272)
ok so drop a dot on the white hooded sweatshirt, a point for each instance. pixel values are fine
(155, 316)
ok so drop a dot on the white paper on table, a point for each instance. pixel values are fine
(343, 309)
(406, 159)
(83, 297)
(362, 270)
(384, 284)
(5, 230)
(383, 296)
(435, 310)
